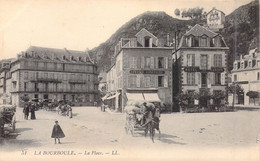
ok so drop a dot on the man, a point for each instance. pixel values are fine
(26, 110)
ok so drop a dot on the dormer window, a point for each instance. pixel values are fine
(238, 65)
(242, 65)
(63, 57)
(203, 41)
(147, 42)
(250, 64)
(195, 42)
(235, 66)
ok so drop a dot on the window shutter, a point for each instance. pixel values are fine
(199, 75)
(212, 78)
(193, 59)
(153, 81)
(138, 81)
(138, 63)
(142, 62)
(156, 81)
(156, 63)
(165, 81)
(223, 78)
(166, 62)
(152, 62)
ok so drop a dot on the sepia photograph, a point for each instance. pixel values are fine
(129, 80)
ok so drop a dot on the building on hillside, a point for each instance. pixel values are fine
(246, 73)
(142, 70)
(200, 63)
(57, 74)
(215, 20)
(5, 96)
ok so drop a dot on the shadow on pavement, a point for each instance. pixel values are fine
(75, 114)
(7, 144)
(165, 138)
(18, 130)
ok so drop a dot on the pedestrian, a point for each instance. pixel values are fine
(69, 110)
(32, 109)
(26, 110)
(57, 132)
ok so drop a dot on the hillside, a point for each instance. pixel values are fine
(240, 30)
(159, 23)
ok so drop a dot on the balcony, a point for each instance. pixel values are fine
(46, 80)
(77, 81)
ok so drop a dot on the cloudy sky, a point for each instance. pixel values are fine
(80, 24)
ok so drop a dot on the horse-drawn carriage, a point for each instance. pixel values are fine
(142, 116)
(64, 108)
(7, 116)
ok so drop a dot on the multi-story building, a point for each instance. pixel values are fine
(215, 19)
(201, 62)
(246, 73)
(57, 74)
(5, 96)
(142, 70)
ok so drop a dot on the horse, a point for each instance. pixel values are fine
(151, 124)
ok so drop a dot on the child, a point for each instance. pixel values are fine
(57, 132)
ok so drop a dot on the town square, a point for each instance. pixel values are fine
(80, 81)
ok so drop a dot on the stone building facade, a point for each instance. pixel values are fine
(246, 73)
(201, 61)
(56, 74)
(142, 71)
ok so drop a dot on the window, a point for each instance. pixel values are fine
(147, 62)
(242, 65)
(191, 60)
(46, 86)
(203, 79)
(191, 92)
(258, 75)
(147, 42)
(203, 41)
(246, 63)
(204, 62)
(191, 78)
(160, 62)
(160, 81)
(235, 65)
(147, 81)
(217, 78)
(218, 60)
(195, 42)
(63, 67)
(235, 77)
(250, 64)
(36, 87)
(25, 86)
(238, 65)
(25, 75)
(132, 81)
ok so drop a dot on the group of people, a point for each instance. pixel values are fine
(29, 107)
(147, 112)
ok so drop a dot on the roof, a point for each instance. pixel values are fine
(216, 10)
(52, 54)
(198, 30)
(144, 30)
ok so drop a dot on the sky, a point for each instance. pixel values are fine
(80, 24)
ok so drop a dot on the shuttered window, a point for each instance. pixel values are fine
(191, 60)
(190, 78)
(218, 60)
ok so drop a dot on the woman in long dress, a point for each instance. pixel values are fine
(33, 117)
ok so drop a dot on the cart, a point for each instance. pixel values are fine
(7, 117)
(137, 121)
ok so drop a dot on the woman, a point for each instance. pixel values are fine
(33, 108)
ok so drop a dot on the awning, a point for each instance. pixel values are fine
(152, 97)
(135, 96)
